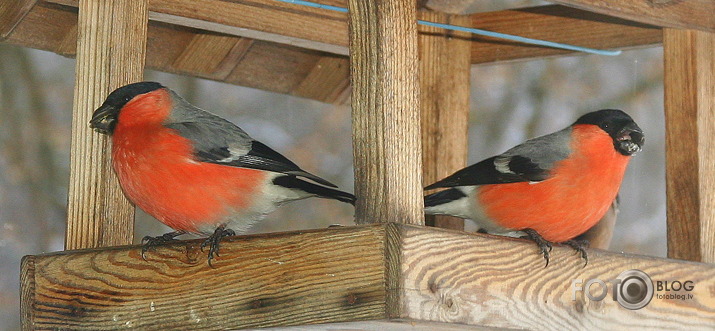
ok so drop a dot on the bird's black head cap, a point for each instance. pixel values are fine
(105, 117)
(627, 136)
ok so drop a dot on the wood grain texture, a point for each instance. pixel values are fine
(690, 143)
(327, 31)
(11, 13)
(558, 24)
(444, 102)
(692, 14)
(295, 278)
(482, 280)
(52, 27)
(392, 271)
(385, 111)
(327, 81)
(385, 325)
(111, 49)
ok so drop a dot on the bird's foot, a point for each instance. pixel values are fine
(150, 241)
(580, 246)
(544, 245)
(214, 241)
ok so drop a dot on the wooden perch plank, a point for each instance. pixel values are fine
(111, 51)
(558, 24)
(258, 281)
(481, 280)
(444, 99)
(690, 143)
(385, 111)
(414, 274)
(11, 13)
(692, 14)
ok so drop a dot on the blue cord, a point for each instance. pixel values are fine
(475, 31)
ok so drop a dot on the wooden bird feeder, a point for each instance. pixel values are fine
(410, 92)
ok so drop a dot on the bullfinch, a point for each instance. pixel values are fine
(194, 171)
(552, 188)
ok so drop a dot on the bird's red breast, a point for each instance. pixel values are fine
(158, 172)
(578, 193)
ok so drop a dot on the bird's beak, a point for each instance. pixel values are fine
(630, 139)
(104, 119)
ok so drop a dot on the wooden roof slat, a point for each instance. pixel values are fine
(691, 14)
(559, 24)
(327, 30)
(205, 53)
(232, 59)
(268, 20)
(11, 13)
(186, 50)
(327, 80)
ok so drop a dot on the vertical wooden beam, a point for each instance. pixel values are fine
(385, 103)
(690, 143)
(444, 98)
(111, 49)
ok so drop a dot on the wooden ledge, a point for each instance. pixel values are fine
(375, 272)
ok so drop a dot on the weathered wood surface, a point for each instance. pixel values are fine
(11, 13)
(444, 99)
(386, 325)
(386, 111)
(108, 56)
(375, 272)
(691, 14)
(231, 59)
(254, 63)
(690, 143)
(481, 280)
(325, 30)
(265, 280)
(558, 24)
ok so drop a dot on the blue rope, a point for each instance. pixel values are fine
(475, 31)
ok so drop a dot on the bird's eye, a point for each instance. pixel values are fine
(605, 125)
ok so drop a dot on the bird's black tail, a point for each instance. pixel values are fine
(321, 191)
(442, 197)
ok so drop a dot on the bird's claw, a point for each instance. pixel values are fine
(214, 241)
(148, 241)
(544, 245)
(580, 247)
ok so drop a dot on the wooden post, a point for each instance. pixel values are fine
(385, 103)
(690, 143)
(444, 98)
(111, 47)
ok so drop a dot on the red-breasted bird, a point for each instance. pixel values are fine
(194, 171)
(552, 188)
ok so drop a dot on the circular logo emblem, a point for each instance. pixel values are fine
(635, 289)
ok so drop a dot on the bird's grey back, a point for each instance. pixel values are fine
(543, 151)
(205, 129)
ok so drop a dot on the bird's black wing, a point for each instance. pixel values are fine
(218, 141)
(495, 170)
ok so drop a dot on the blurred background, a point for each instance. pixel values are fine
(510, 103)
